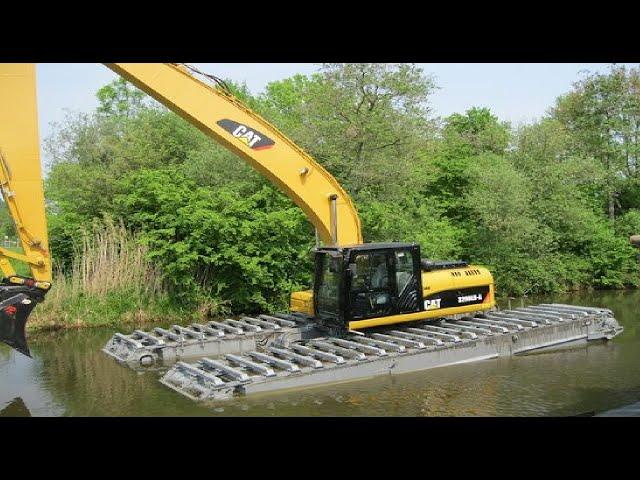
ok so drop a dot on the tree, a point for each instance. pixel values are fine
(249, 250)
(120, 98)
(463, 139)
(502, 229)
(477, 131)
(566, 199)
(566, 187)
(603, 113)
(365, 123)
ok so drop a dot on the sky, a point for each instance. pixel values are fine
(515, 92)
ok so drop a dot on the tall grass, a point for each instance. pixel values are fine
(110, 281)
(111, 259)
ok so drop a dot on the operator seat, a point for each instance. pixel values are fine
(379, 279)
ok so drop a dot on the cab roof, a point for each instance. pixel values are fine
(368, 246)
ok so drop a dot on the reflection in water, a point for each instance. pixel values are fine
(16, 408)
(71, 376)
(89, 383)
(632, 410)
(20, 378)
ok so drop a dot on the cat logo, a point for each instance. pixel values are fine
(250, 137)
(432, 304)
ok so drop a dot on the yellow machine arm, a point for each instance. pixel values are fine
(20, 174)
(224, 118)
(21, 185)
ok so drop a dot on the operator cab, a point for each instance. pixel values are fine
(366, 281)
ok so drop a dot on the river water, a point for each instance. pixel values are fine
(70, 376)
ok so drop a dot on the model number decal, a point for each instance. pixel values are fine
(470, 298)
(249, 136)
(463, 297)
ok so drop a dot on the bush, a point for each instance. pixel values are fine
(250, 250)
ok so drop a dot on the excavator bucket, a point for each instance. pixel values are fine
(13, 318)
(16, 304)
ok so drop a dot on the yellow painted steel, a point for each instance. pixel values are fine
(303, 180)
(470, 276)
(412, 317)
(302, 302)
(20, 171)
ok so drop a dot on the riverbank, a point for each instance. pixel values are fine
(111, 282)
(114, 309)
(127, 310)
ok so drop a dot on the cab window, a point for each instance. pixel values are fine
(371, 287)
(328, 288)
(404, 269)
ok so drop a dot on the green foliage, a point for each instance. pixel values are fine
(611, 259)
(250, 250)
(7, 226)
(628, 224)
(506, 234)
(464, 138)
(119, 98)
(475, 132)
(64, 230)
(602, 112)
(411, 221)
(629, 196)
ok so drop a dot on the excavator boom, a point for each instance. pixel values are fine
(224, 118)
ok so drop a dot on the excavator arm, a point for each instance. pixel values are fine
(21, 186)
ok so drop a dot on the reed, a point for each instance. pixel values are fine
(111, 259)
(111, 281)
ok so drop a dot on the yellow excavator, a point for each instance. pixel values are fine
(356, 285)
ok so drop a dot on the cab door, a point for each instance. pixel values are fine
(372, 286)
(383, 282)
(328, 285)
(408, 280)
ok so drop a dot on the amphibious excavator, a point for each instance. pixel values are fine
(374, 308)
(357, 285)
